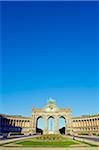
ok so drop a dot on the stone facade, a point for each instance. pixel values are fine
(28, 125)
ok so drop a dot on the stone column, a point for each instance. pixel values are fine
(18, 122)
(24, 123)
(97, 121)
(45, 125)
(21, 123)
(68, 126)
(56, 125)
(30, 123)
(34, 122)
(15, 123)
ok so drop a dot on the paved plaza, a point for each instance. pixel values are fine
(14, 148)
(30, 148)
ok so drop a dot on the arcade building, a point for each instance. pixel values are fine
(84, 125)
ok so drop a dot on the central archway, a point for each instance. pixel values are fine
(39, 125)
(51, 125)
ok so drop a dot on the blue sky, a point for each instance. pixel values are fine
(49, 49)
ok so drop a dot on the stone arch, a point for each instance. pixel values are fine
(51, 124)
(39, 124)
(50, 116)
(62, 124)
(51, 111)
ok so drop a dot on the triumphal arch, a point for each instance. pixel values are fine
(51, 110)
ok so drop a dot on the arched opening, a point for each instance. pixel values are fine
(39, 125)
(62, 125)
(51, 125)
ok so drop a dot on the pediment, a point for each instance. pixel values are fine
(51, 106)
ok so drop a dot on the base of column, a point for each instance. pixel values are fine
(51, 132)
(68, 130)
(33, 131)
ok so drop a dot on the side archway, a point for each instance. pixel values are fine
(62, 125)
(39, 125)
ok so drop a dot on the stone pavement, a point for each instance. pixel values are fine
(13, 148)
(87, 139)
(14, 139)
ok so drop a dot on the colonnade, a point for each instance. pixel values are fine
(15, 122)
(86, 123)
